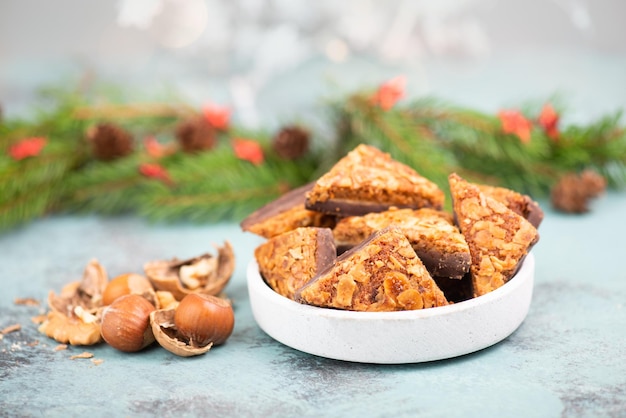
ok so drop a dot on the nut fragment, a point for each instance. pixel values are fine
(70, 329)
(10, 328)
(192, 275)
(84, 354)
(26, 301)
(165, 300)
(75, 313)
(204, 274)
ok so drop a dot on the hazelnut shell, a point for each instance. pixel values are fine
(75, 312)
(86, 292)
(165, 332)
(164, 274)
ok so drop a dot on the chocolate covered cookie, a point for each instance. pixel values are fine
(288, 261)
(382, 273)
(436, 240)
(285, 214)
(498, 238)
(369, 180)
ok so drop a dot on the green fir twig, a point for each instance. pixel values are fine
(433, 137)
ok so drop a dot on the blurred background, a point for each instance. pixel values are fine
(276, 60)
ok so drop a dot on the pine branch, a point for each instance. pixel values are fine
(432, 137)
(29, 187)
(216, 185)
(103, 187)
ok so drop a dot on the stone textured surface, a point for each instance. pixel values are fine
(566, 358)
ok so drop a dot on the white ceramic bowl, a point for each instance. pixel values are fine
(394, 337)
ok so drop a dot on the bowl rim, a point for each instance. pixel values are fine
(258, 284)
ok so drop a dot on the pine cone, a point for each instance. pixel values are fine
(291, 142)
(109, 142)
(573, 191)
(594, 183)
(196, 134)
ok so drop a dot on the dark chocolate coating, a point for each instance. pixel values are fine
(533, 212)
(326, 252)
(342, 257)
(285, 202)
(344, 208)
(451, 265)
(456, 290)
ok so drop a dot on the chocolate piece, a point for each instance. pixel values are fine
(498, 238)
(437, 242)
(519, 203)
(288, 261)
(285, 214)
(383, 273)
(369, 180)
(456, 290)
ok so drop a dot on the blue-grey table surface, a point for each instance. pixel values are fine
(566, 359)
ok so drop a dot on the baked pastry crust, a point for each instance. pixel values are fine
(382, 273)
(519, 203)
(369, 180)
(436, 240)
(288, 261)
(498, 238)
(285, 214)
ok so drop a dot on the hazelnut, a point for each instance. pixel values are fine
(204, 319)
(126, 323)
(126, 284)
(168, 337)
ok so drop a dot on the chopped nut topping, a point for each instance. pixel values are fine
(381, 274)
(367, 174)
(378, 205)
(289, 260)
(439, 244)
(498, 238)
